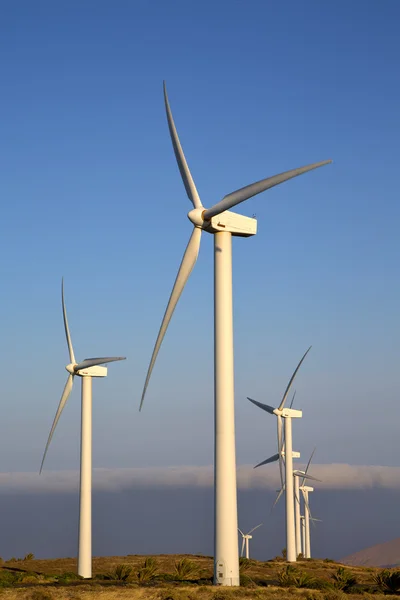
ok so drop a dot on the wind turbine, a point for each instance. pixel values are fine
(305, 490)
(223, 224)
(245, 539)
(287, 414)
(298, 475)
(87, 369)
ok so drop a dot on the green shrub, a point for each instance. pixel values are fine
(289, 576)
(148, 571)
(67, 577)
(186, 569)
(388, 581)
(10, 578)
(343, 579)
(120, 573)
(244, 564)
(29, 556)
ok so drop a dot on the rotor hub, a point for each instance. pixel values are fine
(196, 216)
(70, 368)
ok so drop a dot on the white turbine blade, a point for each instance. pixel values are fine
(269, 409)
(254, 528)
(67, 333)
(187, 264)
(64, 398)
(253, 189)
(93, 362)
(278, 497)
(243, 544)
(180, 157)
(308, 464)
(294, 395)
(280, 446)
(282, 404)
(317, 520)
(240, 531)
(269, 460)
(310, 477)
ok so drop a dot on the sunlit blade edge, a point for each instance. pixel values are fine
(282, 404)
(185, 269)
(64, 398)
(248, 191)
(66, 327)
(180, 157)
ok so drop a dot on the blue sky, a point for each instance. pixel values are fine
(90, 190)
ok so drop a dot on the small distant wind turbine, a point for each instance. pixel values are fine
(287, 414)
(222, 224)
(245, 539)
(86, 369)
(305, 490)
(301, 475)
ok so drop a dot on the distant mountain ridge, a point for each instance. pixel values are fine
(382, 555)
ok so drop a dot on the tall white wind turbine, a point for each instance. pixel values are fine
(223, 224)
(245, 540)
(287, 414)
(87, 369)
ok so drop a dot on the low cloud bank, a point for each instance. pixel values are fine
(333, 476)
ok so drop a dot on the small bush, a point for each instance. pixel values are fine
(289, 576)
(29, 556)
(120, 573)
(185, 569)
(244, 564)
(388, 581)
(343, 579)
(67, 577)
(148, 571)
(10, 578)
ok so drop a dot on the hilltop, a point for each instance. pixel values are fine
(381, 555)
(182, 577)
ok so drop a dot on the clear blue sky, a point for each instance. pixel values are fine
(90, 190)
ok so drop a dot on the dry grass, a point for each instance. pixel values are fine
(261, 579)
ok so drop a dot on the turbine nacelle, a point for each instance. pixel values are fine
(306, 488)
(292, 413)
(234, 223)
(93, 371)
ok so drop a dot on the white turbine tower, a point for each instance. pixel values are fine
(245, 540)
(223, 224)
(86, 370)
(287, 414)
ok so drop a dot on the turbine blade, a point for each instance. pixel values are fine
(294, 395)
(240, 531)
(269, 460)
(67, 333)
(278, 497)
(64, 398)
(243, 544)
(310, 477)
(187, 264)
(308, 464)
(93, 362)
(269, 409)
(180, 157)
(282, 404)
(280, 446)
(253, 189)
(254, 528)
